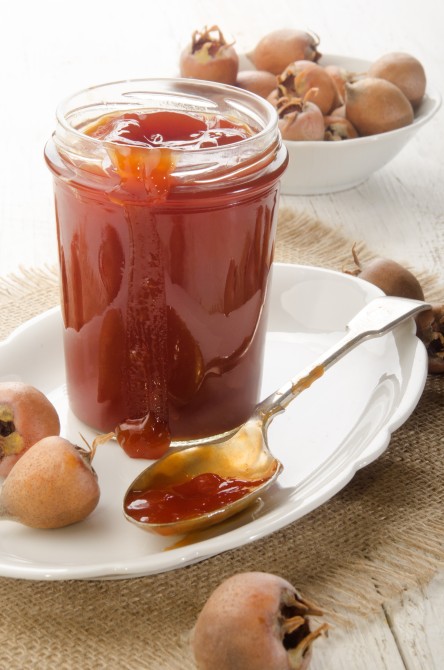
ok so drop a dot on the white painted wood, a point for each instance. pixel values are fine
(49, 49)
(416, 622)
(367, 646)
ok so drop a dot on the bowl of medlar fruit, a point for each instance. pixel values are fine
(341, 118)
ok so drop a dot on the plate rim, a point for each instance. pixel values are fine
(252, 530)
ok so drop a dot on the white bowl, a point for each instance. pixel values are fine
(326, 167)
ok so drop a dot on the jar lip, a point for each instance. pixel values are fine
(193, 89)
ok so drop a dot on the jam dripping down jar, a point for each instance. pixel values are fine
(166, 200)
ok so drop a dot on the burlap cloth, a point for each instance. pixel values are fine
(382, 534)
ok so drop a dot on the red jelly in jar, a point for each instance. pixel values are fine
(166, 195)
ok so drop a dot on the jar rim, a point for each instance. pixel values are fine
(196, 91)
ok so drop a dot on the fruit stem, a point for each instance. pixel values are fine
(90, 452)
(292, 624)
(296, 655)
(210, 39)
(308, 607)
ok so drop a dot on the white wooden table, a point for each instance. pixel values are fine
(48, 51)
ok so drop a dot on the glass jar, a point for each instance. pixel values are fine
(166, 198)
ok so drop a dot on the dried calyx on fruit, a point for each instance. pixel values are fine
(210, 56)
(300, 119)
(255, 620)
(307, 80)
(338, 128)
(26, 416)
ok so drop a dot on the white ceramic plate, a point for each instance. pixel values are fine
(343, 422)
(328, 167)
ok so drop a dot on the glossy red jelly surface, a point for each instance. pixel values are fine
(164, 287)
(171, 129)
(199, 495)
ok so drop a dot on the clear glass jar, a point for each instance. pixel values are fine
(166, 196)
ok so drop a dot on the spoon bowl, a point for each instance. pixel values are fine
(194, 487)
(245, 452)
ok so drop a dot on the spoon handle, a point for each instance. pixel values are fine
(377, 318)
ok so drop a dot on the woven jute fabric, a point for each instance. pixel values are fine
(382, 534)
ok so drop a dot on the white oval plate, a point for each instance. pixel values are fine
(342, 423)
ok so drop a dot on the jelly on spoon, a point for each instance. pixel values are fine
(195, 487)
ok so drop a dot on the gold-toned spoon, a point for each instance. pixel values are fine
(194, 487)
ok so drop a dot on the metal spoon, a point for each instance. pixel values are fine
(245, 454)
